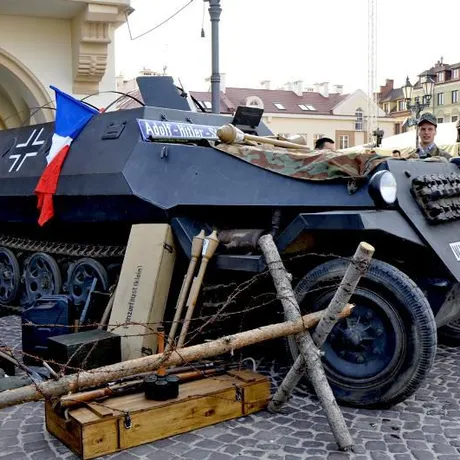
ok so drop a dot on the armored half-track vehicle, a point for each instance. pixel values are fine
(127, 167)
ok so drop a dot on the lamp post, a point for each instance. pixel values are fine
(378, 135)
(419, 104)
(214, 12)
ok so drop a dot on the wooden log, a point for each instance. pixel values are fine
(307, 348)
(353, 274)
(106, 374)
(355, 270)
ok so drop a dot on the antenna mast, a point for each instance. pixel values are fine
(372, 104)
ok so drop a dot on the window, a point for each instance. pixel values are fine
(455, 73)
(440, 120)
(306, 107)
(359, 119)
(397, 128)
(440, 77)
(279, 106)
(206, 104)
(344, 142)
(401, 106)
(316, 137)
(386, 108)
(454, 118)
(455, 96)
(440, 98)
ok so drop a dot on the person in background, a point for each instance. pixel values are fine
(396, 154)
(324, 143)
(427, 128)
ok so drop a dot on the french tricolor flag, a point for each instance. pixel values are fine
(72, 116)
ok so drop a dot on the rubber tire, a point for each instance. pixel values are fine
(419, 338)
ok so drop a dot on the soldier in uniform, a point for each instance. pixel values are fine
(427, 131)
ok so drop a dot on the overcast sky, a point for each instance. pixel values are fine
(288, 40)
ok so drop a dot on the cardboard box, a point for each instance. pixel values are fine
(143, 288)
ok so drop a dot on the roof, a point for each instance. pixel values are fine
(440, 67)
(313, 103)
(288, 99)
(393, 95)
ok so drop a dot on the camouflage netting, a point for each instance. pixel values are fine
(315, 165)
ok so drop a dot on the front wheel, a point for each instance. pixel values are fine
(381, 353)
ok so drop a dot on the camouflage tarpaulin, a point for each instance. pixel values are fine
(314, 165)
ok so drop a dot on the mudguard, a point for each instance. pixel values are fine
(443, 237)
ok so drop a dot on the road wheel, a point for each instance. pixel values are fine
(381, 353)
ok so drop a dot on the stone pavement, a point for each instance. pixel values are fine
(425, 427)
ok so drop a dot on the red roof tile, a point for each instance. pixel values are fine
(289, 99)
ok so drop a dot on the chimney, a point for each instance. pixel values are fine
(119, 82)
(325, 89)
(338, 89)
(317, 87)
(288, 86)
(298, 87)
(389, 84)
(146, 72)
(265, 84)
(223, 82)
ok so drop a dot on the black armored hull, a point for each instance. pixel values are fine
(114, 177)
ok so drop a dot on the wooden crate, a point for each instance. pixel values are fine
(99, 429)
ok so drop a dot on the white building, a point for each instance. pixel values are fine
(65, 43)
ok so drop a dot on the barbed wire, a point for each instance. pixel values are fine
(201, 323)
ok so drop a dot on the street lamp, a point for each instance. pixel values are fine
(419, 104)
(214, 11)
(378, 135)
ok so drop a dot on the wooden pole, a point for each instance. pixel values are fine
(106, 374)
(307, 348)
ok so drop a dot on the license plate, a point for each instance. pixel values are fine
(456, 249)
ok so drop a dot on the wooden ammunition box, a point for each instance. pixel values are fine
(127, 421)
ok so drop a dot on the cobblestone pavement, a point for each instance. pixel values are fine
(425, 427)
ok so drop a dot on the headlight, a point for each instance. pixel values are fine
(383, 188)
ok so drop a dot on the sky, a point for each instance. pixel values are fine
(281, 41)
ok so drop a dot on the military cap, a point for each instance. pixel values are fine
(429, 118)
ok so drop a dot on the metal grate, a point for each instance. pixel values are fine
(438, 196)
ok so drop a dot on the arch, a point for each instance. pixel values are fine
(33, 93)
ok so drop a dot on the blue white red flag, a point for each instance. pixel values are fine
(72, 116)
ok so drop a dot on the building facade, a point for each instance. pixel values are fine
(391, 101)
(65, 43)
(445, 104)
(313, 112)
